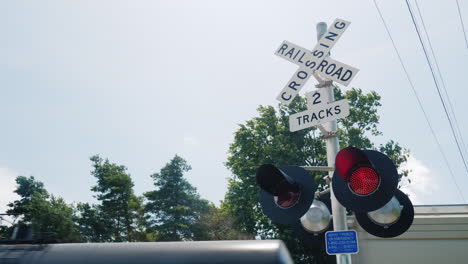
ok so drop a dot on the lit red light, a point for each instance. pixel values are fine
(364, 181)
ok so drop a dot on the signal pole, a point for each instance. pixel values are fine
(332, 143)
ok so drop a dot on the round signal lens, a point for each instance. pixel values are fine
(364, 181)
(286, 194)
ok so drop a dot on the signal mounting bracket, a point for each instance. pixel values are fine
(325, 133)
(329, 134)
(324, 84)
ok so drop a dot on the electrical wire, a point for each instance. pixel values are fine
(462, 24)
(437, 87)
(442, 80)
(419, 102)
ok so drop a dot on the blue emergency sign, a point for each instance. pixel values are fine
(341, 242)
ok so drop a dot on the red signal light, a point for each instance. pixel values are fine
(286, 194)
(355, 168)
(364, 181)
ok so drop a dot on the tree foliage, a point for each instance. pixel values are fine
(174, 206)
(92, 223)
(119, 204)
(173, 211)
(267, 139)
(216, 224)
(26, 189)
(48, 215)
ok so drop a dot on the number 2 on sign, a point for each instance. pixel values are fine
(316, 97)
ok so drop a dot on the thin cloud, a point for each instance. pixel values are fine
(7, 186)
(423, 182)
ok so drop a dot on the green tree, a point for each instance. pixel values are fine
(267, 139)
(49, 216)
(54, 218)
(91, 223)
(114, 190)
(5, 231)
(175, 205)
(26, 188)
(140, 233)
(217, 224)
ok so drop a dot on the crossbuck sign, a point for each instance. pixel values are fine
(315, 60)
(318, 61)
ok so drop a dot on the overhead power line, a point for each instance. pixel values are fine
(444, 88)
(437, 87)
(419, 102)
(462, 24)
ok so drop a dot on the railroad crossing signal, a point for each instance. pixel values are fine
(287, 197)
(365, 181)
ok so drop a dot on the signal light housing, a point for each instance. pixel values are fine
(287, 192)
(313, 236)
(392, 220)
(364, 180)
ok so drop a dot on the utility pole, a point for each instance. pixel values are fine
(333, 146)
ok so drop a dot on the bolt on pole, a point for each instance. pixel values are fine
(338, 211)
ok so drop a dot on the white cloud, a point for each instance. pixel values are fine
(423, 182)
(7, 186)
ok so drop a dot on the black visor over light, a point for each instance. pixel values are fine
(269, 178)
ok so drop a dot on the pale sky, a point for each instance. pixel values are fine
(140, 81)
